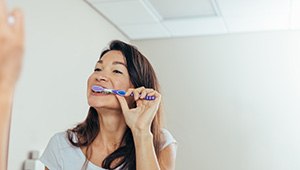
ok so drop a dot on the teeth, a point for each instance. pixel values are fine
(103, 92)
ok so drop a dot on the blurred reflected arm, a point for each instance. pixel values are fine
(11, 52)
(6, 96)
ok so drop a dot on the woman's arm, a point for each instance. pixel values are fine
(145, 153)
(167, 157)
(139, 120)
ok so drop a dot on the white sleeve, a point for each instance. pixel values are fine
(51, 157)
(167, 139)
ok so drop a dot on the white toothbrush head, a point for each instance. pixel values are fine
(99, 89)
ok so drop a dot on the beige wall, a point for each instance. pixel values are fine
(232, 101)
(64, 40)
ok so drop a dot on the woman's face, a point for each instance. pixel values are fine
(111, 73)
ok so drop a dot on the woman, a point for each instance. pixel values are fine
(119, 132)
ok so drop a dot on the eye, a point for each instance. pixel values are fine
(117, 71)
(97, 69)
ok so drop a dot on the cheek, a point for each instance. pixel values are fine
(123, 84)
(89, 83)
(89, 79)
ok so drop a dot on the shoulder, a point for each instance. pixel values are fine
(60, 139)
(168, 149)
(59, 152)
(51, 156)
(166, 138)
(59, 136)
(58, 143)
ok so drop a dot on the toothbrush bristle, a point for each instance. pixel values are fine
(97, 88)
(107, 91)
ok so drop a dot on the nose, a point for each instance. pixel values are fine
(101, 78)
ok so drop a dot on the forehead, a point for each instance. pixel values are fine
(113, 56)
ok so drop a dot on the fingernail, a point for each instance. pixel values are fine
(11, 20)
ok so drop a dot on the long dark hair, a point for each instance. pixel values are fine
(141, 74)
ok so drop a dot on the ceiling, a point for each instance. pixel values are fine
(150, 19)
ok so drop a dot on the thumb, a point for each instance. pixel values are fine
(123, 103)
(18, 22)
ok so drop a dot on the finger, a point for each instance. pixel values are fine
(139, 103)
(136, 95)
(145, 93)
(123, 103)
(129, 92)
(152, 93)
(3, 12)
(18, 26)
(156, 94)
(141, 88)
(138, 91)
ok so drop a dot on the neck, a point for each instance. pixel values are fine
(112, 129)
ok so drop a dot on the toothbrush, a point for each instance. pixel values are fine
(117, 92)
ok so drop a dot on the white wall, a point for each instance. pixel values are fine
(64, 40)
(232, 101)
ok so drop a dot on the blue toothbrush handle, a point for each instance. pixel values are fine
(150, 97)
(122, 93)
(147, 97)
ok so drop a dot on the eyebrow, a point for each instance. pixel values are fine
(114, 63)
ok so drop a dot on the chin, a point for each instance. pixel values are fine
(96, 104)
(114, 105)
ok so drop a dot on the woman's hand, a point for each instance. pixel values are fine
(139, 119)
(11, 45)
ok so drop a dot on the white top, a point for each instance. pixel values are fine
(60, 154)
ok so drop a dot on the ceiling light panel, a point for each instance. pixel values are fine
(168, 9)
(125, 12)
(145, 31)
(196, 26)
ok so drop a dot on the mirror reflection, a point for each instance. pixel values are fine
(224, 75)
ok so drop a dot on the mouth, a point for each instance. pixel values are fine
(96, 90)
